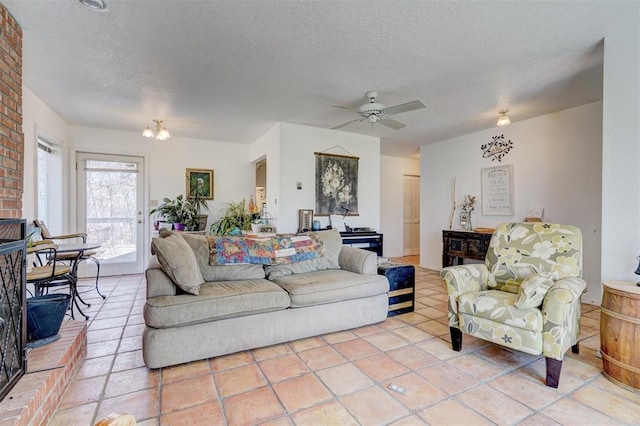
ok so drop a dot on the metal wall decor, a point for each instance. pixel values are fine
(497, 148)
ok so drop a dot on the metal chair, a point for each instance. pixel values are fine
(48, 273)
(71, 257)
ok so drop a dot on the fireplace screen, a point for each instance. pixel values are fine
(12, 303)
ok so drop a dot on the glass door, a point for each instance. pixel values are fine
(110, 199)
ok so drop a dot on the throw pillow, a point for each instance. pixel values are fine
(178, 261)
(533, 289)
(332, 244)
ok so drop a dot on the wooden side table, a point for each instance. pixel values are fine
(620, 332)
(402, 283)
(459, 245)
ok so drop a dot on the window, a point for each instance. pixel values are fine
(43, 171)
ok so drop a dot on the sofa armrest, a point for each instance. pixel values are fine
(464, 279)
(561, 315)
(358, 260)
(158, 283)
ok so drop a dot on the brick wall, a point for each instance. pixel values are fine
(11, 136)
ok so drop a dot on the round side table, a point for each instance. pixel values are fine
(620, 332)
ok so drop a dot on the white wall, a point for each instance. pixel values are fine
(167, 161)
(392, 172)
(621, 150)
(39, 119)
(557, 161)
(292, 159)
(298, 144)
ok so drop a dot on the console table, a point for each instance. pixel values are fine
(459, 245)
(371, 241)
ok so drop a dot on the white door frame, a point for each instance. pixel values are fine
(142, 234)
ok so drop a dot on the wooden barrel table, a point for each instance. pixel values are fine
(620, 332)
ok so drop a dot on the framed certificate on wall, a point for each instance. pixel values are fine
(497, 190)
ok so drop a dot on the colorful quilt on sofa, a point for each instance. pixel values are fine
(278, 250)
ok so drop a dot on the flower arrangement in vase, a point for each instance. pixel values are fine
(467, 207)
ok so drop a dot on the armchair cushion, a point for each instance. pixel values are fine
(533, 290)
(518, 250)
(499, 307)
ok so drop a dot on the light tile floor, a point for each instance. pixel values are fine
(340, 378)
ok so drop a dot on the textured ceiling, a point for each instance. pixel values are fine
(228, 70)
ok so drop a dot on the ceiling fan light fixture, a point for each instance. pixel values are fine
(96, 5)
(156, 130)
(503, 118)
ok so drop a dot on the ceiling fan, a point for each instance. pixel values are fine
(374, 112)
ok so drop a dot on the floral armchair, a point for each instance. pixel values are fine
(526, 296)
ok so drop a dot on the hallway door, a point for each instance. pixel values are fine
(411, 215)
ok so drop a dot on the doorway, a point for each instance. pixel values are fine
(411, 215)
(110, 200)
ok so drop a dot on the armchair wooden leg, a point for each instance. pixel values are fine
(456, 339)
(576, 348)
(554, 366)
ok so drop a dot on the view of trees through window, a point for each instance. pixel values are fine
(111, 207)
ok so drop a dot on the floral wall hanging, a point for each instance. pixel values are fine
(336, 184)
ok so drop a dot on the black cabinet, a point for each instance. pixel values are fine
(402, 283)
(371, 241)
(459, 245)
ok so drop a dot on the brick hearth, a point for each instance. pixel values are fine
(50, 369)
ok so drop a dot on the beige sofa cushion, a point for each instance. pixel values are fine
(331, 285)
(200, 246)
(217, 300)
(178, 261)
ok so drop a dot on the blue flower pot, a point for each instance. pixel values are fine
(44, 318)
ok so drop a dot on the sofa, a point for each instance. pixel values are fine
(197, 308)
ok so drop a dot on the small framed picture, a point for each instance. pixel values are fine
(200, 182)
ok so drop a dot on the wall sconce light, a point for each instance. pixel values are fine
(157, 130)
(503, 119)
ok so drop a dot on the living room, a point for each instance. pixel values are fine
(578, 163)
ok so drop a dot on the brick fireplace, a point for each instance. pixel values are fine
(11, 136)
(12, 322)
(49, 368)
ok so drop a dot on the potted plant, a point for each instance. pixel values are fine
(199, 202)
(179, 211)
(235, 219)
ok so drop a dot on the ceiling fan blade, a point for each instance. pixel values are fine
(346, 124)
(409, 106)
(344, 107)
(389, 122)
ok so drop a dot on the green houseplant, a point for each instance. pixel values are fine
(235, 218)
(199, 202)
(179, 211)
